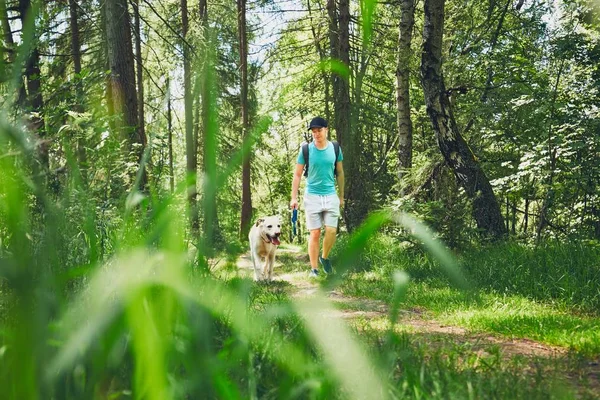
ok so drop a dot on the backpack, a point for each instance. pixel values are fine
(336, 149)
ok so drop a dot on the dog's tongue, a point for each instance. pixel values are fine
(275, 240)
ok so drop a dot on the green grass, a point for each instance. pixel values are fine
(534, 304)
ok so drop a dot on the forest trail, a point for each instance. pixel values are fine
(424, 329)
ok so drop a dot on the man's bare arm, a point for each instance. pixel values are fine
(296, 185)
(339, 168)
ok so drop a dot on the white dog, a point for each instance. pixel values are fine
(264, 239)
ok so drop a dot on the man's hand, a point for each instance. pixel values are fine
(341, 201)
(294, 204)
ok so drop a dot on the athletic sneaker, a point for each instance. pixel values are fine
(314, 273)
(326, 263)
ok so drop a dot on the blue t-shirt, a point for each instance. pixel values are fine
(320, 178)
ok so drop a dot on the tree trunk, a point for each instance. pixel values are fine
(170, 138)
(455, 150)
(35, 101)
(322, 56)
(405, 127)
(334, 55)
(212, 233)
(526, 215)
(514, 216)
(246, 215)
(190, 145)
(354, 205)
(122, 87)
(139, 69)
(11, 47)
(78, 107)
(342, 109)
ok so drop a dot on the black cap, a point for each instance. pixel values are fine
(317, 122)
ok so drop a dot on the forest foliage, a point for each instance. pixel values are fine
(150, 133)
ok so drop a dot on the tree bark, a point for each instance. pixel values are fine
(354, 210)
(342, 108)
(405, 127)
(10, 45)
(322, 56)
(139, 69)
(334, 55)
(190, 144)
(35, 101)
(78, 107)
(122, 87)
(170, 138)
(212, 233)
(246, 215)
(455, 150)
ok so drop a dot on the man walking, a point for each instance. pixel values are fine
(321, 202)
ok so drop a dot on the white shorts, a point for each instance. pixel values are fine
(321, 210)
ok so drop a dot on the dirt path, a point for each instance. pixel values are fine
(427, 330)
(352, 307)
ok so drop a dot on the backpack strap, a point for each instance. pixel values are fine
(305, 155)
(336, 149)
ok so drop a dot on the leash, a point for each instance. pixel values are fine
(294, 219)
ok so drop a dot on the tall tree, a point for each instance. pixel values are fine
(170, 138)
(342, 101)
(246, 214)
(78, 107)
(405, 126)
(334, 55)
(35, 101)
(190, 143)
(322, 56)
(10, 47)
(139, 67)
(209, 128)
(345, 123)
(455, 150)
(122, 87)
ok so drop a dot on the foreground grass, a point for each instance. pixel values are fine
(419, 367)
(432, 365)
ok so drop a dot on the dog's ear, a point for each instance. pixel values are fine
(259, 221)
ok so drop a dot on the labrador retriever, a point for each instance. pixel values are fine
(264, 239)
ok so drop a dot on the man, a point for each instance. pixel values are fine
(321, 202)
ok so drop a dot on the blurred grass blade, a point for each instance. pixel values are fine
(145, 317)
(120, 285)
(259, 129)
(335, 66)
(367, 11)
(401, 281)
(435, 247)
(356, 245)
(348, 360)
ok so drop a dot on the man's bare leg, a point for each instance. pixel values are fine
(313, 248)
(329, 240)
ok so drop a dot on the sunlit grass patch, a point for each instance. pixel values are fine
(534, 322)
(566, 273)
(292, 259)
(512, 316)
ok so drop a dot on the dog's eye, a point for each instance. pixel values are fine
(279, 226)
(269, 226)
